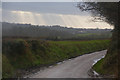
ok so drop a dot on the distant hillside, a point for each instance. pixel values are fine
(54, 32)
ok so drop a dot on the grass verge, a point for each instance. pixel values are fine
(23, 54)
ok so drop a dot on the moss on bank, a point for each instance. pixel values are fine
(109, 65)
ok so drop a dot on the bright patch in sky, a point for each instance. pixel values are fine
(70, 18)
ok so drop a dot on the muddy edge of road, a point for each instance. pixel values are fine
(35, 69)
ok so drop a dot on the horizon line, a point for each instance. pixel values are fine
(55, 25)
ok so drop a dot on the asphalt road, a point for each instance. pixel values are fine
(73, 68)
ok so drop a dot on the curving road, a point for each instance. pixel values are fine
(74, 68)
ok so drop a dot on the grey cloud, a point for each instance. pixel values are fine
(44, 7)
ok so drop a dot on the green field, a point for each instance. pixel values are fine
(23, 54)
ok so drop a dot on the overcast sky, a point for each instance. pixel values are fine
(59, 0)
(49, 13)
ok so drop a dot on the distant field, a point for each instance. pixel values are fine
(95, 34)
(55, 32)
(78, 42)
(20, 54)
(82, 36)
